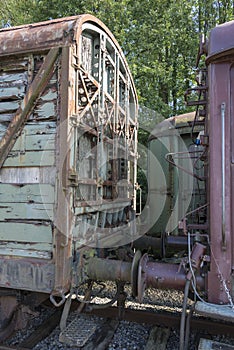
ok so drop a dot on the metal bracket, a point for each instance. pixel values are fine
(55, 303)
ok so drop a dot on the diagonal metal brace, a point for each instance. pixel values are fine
(34, 91)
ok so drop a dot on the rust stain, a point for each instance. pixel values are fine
(27, 104)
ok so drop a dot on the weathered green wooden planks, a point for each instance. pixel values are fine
(13, 77)
(6, 107)
(34, 142)
(25, 232)
(35, 250)
(43, 246)
(30, 158)
(24, 211)
(12, 93)
(44, 127)
(45, 110)
(25, 175)
(31, 97)
(37, 193)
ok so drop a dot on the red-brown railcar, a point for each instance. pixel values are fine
(68, 157)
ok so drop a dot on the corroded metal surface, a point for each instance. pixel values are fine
(102, 269)
(221, 41)
(79, 331)
(218, 312)
(68, 136)
(220, 126)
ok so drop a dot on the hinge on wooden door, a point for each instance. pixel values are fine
(73, 178)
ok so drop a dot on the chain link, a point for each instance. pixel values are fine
(221, 278)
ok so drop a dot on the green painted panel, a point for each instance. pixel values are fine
(16, 92)
(23, 232)
(30, 158)
(25, 246)
(28, 175)
(49, 95)
(27, 253)
(44, 127)
(45, 110)
(30, 211)
(37, 193)
(15, 78)
(9, 106)
(35, 142)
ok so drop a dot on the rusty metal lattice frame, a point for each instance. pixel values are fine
(51, 97)
(113, 121)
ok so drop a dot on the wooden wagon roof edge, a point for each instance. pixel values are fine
(10, 34)
(53, 33)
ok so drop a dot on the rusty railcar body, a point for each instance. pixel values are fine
(68, 138)
(212, 225)
(221, 170)
(206, 227)
(216, 99)
(215, 231)
(68, 126)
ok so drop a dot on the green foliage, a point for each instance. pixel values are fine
(211, 12)
(159, 38)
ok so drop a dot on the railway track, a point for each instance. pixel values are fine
(105, 323)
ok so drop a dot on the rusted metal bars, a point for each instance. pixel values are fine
(156, 275)
(103, 269)
(223, 159)
(62, 230)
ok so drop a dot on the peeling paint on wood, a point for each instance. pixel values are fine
(53, 184)
(35, 143)
(6, 107)
(43, 193)
(23, 232)
(46, 110)
(32, 175)
(26, 274)
(34, 211)
(12, 79)
(12, 93)
(35, 128)
(31, 96)
(27, 252)
(31, 158)
(14, 64)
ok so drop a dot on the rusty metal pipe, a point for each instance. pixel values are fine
(163, 276)
(109, 270)
(173, 242)
(145, 242)
(158, 275)
(168, 276)
(177, 242)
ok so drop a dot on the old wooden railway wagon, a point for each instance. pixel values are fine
(67, 154)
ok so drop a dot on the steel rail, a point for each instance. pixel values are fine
(162, 318)
(166, 319)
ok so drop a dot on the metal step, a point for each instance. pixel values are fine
(206, 344)
(220, 312)
(80, 330)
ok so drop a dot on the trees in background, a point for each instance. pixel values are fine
(160, 38)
